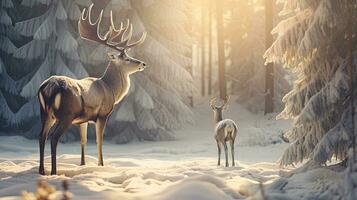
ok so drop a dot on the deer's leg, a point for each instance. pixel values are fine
(226, 152)
(47, 123)
(83, 134)
(61, 127)
(99, 129)
(232, 151)
(219, 153)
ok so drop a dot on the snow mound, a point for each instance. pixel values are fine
(198, 188)
(320, 183)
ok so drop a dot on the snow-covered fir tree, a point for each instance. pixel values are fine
(51, 48)
(311, 41)
(12, 112)
(54, 42)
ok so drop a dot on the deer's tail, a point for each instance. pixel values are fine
(231, 128)
(49, 94)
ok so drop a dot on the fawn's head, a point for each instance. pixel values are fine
(117, 39)
(218, 110)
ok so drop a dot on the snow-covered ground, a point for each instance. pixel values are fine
(181, 169)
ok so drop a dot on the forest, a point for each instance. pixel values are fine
(132, 99)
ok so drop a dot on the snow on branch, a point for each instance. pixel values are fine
(336, 141)
(46, 29)
(6, 45)
(61, 68)
(126, 111)
(72, 9)
(333, 92)
(31, 88)
(144, 118)
(290, 33)
(77, 68)
(27, 111)
(60, 11)
(142, 97)
(7, 83)
(32, 50)
(30, 26)
(325, 22)
(65, 42)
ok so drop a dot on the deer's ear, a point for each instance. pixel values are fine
(112, 56)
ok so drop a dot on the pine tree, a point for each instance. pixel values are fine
(51, 49)
(53, 42)
(12, 115)
(311, 41)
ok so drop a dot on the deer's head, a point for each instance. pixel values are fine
(116, 39)
(218, 110)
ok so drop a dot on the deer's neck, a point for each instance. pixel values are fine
(218, 117)
(117, 80)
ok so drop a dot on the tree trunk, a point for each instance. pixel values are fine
(269, 70)
(210, 48)
(190, 98)
(203, 52)
(221, 54)
(351, 71)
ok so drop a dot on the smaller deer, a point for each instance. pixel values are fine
(225, 130)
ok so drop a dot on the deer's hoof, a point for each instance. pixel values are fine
(41, 172)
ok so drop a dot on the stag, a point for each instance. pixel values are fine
(65, 101)
(225, 130)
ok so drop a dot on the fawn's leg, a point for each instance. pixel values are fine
(83, 133)
(226, 152)
(219, 153)
(232, 151)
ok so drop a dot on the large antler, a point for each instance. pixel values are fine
(212, 103)
(224, 103)
(114, 38)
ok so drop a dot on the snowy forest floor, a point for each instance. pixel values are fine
(181, 169)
